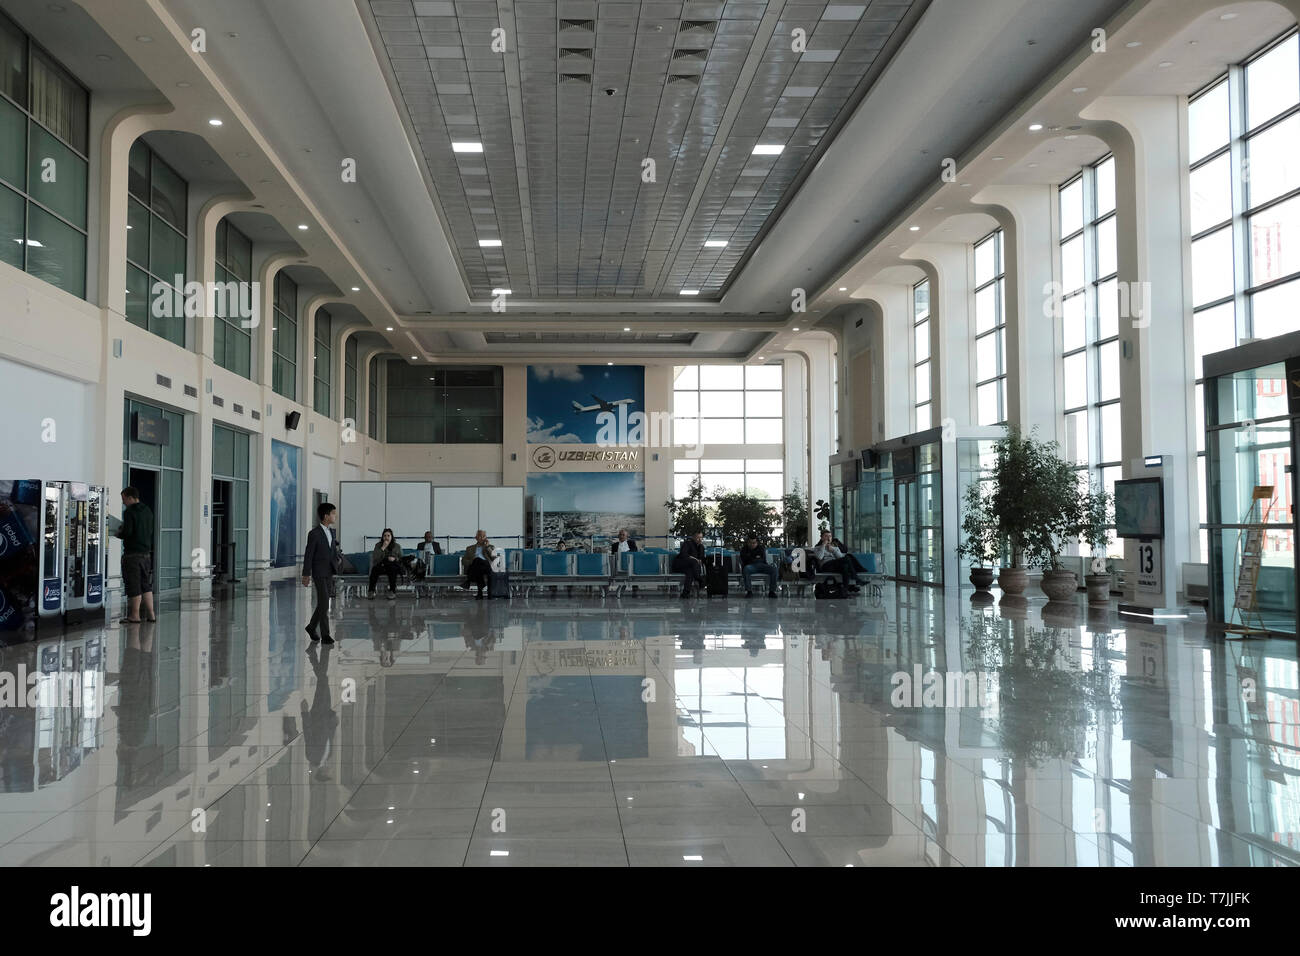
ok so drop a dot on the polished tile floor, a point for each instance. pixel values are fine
(651, 731)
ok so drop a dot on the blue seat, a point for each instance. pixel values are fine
(591, 565)
(553, 564)
(446, 565)
(644, 564)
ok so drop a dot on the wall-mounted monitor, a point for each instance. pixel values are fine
(1140, 508)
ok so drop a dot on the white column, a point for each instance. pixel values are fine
(893, 359)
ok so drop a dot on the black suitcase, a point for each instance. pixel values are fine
(498, 584)
(715, 580)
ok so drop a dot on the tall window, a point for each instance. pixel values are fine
(921, 335)
(1244, 133)
(155, 245)
(372, 405)
(990, 332)
(284, 338)
(43, 164)
(443, 404)
(350, 380)
(1090, 324)
(322, 363)
(232, 343)
(762, 477)
(728, 405)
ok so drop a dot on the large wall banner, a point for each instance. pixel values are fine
(583, 504)
(285, 546)
(583, 404)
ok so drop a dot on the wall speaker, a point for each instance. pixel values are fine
(292, 419)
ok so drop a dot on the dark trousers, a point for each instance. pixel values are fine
(320, 620)
(477, 573)
(749, 570)
(387, 567)
(692, 570)
(847, 568)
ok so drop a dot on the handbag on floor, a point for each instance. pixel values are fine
(831, 590)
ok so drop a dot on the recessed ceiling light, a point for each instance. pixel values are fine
(1133, 44)
(767, 150)
(466, 147)
(1165, 64)
(715, 243)
(609, 363)
(1035, 127)
(997, 159)
(214, 122)
(692, 857)
(795, 329)
(500, 291)
(1227, 16)
(390, 328)
(626, 329)
(489, 243)
(302, 227)
(762, 358)
(914, 228)
(1033, 165)
(1080, 89)
(689, 292)
(844, 288)
(413, 356)
(144, 39)
(356, 288)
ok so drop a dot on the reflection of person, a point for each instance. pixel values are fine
(689, 562)
(478, 562)
(320, 721)
(478, 636)
(384, 560)
(753, 560)
(318, 564)
(136, 533)
(832, 560)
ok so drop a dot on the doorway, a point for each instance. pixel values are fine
(223, 542)
(909, 535)
(145, 480)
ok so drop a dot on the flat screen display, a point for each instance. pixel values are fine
(1139, 508)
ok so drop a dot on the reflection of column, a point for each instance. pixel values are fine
(1147, 134)
(661, 714)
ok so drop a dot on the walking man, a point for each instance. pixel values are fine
(137, 556)
(318, 565)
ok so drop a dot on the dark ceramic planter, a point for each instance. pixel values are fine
(982, 578)
(1013, 581)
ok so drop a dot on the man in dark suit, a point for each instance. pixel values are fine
(689, 562)
(621, 543)
(318, 565)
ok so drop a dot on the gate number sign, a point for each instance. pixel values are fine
(1150, 571)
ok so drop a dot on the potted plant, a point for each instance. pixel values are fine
(794, 510)
(822, 509)
(1094, 519)
(741, 515)
(688, 514)
(1036, 501)
(981, 542)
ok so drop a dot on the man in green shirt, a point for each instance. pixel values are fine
(137, 556)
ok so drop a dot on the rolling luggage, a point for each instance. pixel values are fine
(499, 584)
(715, 579)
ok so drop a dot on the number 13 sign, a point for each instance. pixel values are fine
(1150, 568)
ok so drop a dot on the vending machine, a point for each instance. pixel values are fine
(83, 558)
(53, 550)
(20, 575)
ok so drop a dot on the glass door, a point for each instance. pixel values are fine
(907, 500)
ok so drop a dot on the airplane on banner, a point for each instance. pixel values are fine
(602, 405)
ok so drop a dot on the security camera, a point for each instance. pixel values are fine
(610, 91)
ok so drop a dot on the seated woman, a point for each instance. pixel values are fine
(384, 560)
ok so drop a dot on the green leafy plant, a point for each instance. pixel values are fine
(822, 510)
(741, 515)
(981, 539)
(689, 514)
(1094, 522)
(794, 512)
(1035, 499)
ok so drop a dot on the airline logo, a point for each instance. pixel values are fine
(52, 594)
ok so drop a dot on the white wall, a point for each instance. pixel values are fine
(37, 406)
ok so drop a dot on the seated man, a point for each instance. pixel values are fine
(831, 560)
(478, 562)
(429, 545)
(753, 560)
(689, 562)
(622, 543)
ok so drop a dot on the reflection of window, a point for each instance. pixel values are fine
(43, 164)
(1090, 307)
(990, 332)
(732, 712)
(921, 338)
(1245, 212)
(728, 405)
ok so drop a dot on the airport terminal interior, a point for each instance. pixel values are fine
(649, 433)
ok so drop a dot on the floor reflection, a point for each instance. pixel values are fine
(928, 731)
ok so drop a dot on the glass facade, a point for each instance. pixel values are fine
(372, 414)
(728, 405)
(990, 332)
(451, 405)
(923, 416)
(155, 245)
(350, 381)
(899, 508)
(166, 462)
(322, 364)
(232, 342)
(284, 338)
(43, 164)
(230, 463)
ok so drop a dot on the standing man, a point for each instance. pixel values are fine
(689, 562)
(318, 564)
(137, 555)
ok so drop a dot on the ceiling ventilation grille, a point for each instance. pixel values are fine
(575, 53)
(588, 25)
(576, 78)
(697, 56)
(688, 79)
(698, 27)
